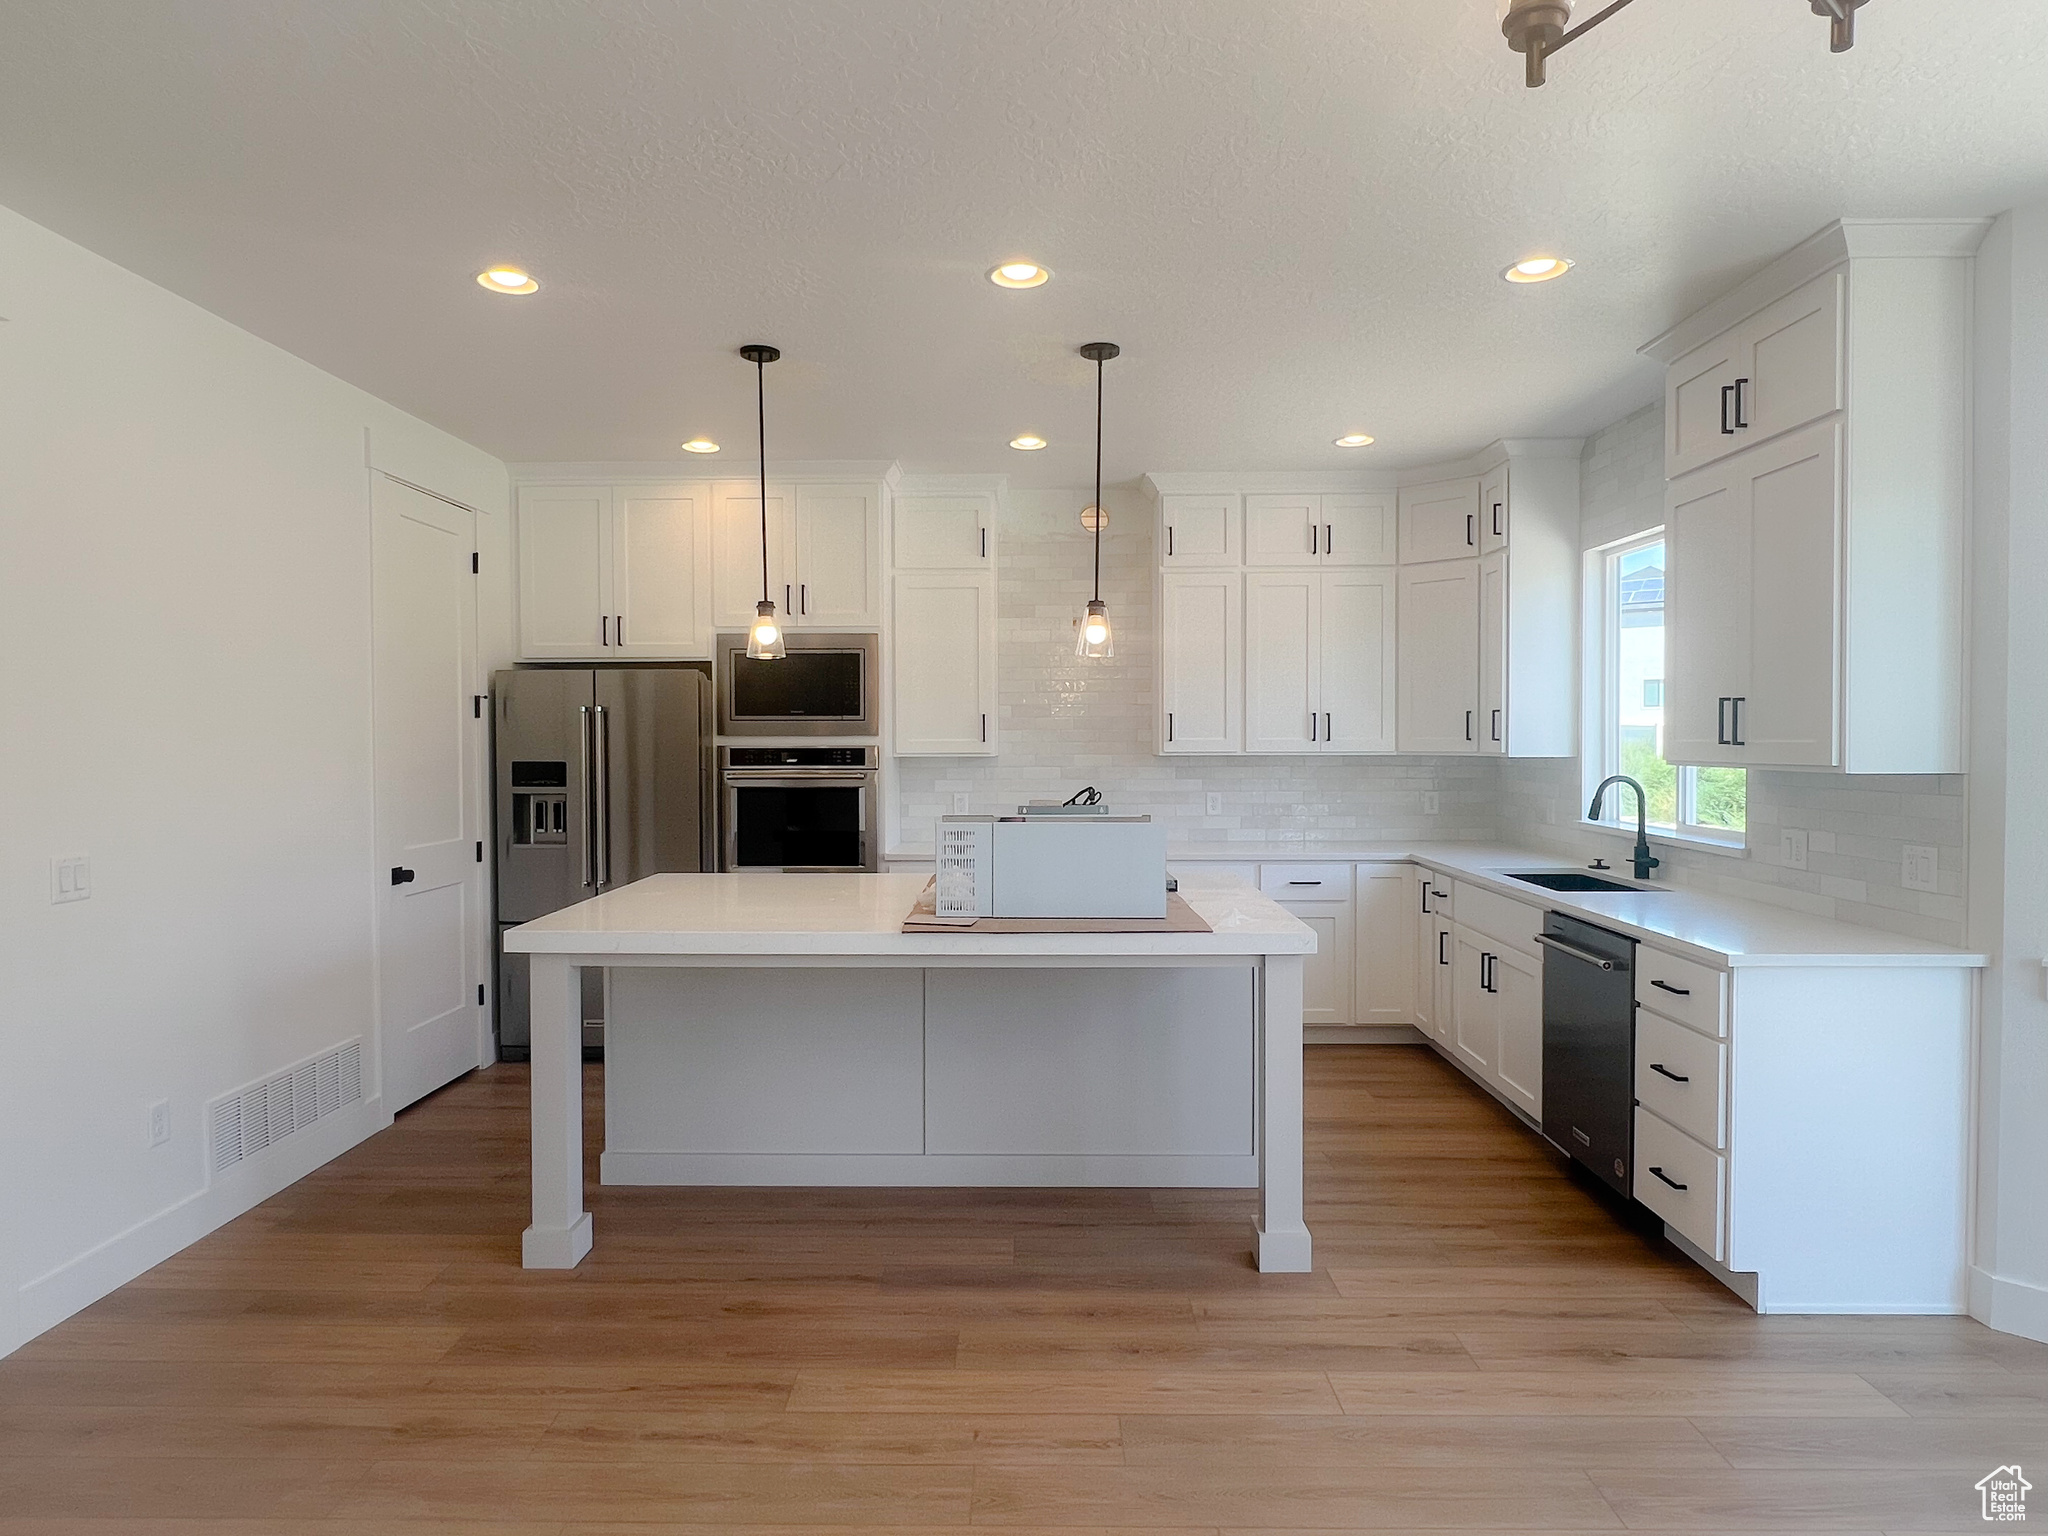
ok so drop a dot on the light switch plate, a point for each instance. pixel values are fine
(1212, 803)
(70, 878)
(960, 804)
(1792, 849)
(1919, 870)
(1432, 803)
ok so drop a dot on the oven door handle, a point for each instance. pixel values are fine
(798, 777)
(1575, 952)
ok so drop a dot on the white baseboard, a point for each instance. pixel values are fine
(2011, 1306)
(1361, 1034)
(77, 1283)
(1741, 1282)
(929, 1170)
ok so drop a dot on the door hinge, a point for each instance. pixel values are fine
(479, 852)
(479, 994)
(475, 563)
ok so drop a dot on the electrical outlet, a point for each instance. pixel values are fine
(70, 878)
(960, 804)
(1792, 849)
(1212, 803)
(159, 1122)
(1919, 870)
(1432, 802)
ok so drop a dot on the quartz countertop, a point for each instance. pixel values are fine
(1722, 931)
(753, 915)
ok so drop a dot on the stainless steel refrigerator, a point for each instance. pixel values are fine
(602, 777)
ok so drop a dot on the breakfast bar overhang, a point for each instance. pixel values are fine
(784, 1030)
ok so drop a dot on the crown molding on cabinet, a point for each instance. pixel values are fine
(1302, 482)
(1822, 251)
(885, 472)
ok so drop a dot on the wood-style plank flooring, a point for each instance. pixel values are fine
(1485, 1345)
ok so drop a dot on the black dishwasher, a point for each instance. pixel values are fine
(1589, 1056)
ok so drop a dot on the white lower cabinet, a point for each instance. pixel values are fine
(1517, 982)
(1320, 896)
(1681, 1181)
(1474, 1033)
(1386, 974)
(1495, 1023)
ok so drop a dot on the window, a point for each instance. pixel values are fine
(1704, 803)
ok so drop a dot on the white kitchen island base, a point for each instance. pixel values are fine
(782, 1030)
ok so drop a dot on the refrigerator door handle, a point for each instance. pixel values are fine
(600, 790)
(583, 755)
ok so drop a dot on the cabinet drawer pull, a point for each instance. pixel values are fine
(1304, 882)
(1661, 1069)
(1667, 1178)
(1665, 986)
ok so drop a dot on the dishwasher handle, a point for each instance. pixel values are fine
(1587, 955)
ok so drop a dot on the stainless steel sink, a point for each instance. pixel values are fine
(1568, 880)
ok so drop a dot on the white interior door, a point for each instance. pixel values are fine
(424, 742)
(1357, 672)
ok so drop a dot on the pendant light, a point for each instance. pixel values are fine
(1094, 638)
(764, 640)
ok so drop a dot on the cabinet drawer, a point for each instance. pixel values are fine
(1306, 882)
(1684, 990)
(1505, 921)
(1683, 1076)
(1681, 1181)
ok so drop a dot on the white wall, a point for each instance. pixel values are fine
(2009, 757)
(1065, 722)
(184, 608)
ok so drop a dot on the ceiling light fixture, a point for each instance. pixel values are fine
(1355, 440)
(1093, 638)
(1538, 28)
(1027, 443)
(764, 640)
(507, 280)
(1537, 269)
(700, 445)
(1020, 274)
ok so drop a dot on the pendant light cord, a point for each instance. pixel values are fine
(761, 425)
(1099, 517)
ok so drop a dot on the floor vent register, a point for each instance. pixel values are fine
(263, 1114)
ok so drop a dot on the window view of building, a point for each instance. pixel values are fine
(1705, 802)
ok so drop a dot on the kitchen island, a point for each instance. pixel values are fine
(784, 1030)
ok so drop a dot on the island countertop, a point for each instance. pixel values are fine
(777, 914)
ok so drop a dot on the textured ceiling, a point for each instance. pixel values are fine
(1292, 214)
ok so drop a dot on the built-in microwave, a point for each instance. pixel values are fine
(824, 686)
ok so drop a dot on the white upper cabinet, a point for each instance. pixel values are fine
(836, 538)
(1439, 657)
(945, 533)
(1493, 511)
(736, 534)
(1332, 528)
(1780, 369)
(1493, 653)
(565, 579)
(1817, 448)
(1358, 677)
(824, 554)
(1282, 662)
(1201, 529)
(1201, 662)
(661, 577)
(944, 667)
(1440, 521)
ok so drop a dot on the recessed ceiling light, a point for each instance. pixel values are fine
(1027, 442)
(1537, 269)
(1355, 440)
(507, 280)
(700, 445)
(1019, 274)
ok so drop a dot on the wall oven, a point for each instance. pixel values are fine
(824, 686)
(800, 810)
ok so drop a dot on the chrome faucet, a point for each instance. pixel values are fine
(1644, 863)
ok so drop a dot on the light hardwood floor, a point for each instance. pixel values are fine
(1483, 1345)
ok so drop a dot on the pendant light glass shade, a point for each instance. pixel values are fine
(764, 640)
(1093, 638)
